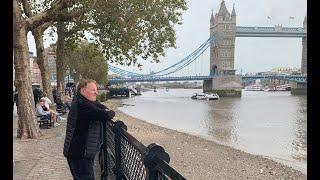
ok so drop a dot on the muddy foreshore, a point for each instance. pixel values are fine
(198, 158)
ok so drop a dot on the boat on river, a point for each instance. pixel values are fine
(205, 96)
(254, 88)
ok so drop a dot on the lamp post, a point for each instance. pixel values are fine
(68, 75)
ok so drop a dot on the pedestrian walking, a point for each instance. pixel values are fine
(15, 98)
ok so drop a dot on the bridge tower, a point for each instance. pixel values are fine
(304, 49)
(222, 54)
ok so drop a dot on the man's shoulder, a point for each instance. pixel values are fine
(100, 105)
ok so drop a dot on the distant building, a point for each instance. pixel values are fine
(35, 71)
(285, 70)
(51, 56)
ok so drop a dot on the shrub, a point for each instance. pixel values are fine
(102, 97)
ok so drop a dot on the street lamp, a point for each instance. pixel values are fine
(68, 76)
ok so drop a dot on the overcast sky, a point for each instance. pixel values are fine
(251, 54)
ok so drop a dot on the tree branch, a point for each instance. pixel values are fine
(26, 8)
(70, 16)
(48, 15)
(46, 25)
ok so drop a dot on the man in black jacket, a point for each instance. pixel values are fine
(83, 130)
(36, 95)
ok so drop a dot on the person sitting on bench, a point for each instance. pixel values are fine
(42, 110)
(46, 107)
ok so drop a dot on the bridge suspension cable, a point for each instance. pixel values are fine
(173, 68)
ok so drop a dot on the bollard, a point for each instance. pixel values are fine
(151, 156)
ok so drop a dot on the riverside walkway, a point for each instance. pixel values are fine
(40, 158)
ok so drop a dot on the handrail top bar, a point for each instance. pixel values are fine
(171, 172)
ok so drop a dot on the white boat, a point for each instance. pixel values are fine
(205, 96)
(199, 96)
(212, 96)
(279, 88)
(254, 88)
(269, 89)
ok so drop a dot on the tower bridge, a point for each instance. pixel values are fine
(290, 78)
(222, 77)
(276, 31)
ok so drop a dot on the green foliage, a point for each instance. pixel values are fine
(128, 30)
(102, 97)
(87, 61)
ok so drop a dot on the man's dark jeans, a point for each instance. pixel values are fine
(81, 169)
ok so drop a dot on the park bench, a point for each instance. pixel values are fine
(44, 121)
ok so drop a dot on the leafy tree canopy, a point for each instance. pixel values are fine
(129, 30)
(87, 61)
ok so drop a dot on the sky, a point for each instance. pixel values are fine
(252, 54)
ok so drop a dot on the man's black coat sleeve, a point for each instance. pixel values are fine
(96, 113)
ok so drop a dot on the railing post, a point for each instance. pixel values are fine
(154, 150)
(117, 129)
(104, 156)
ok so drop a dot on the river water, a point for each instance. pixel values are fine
(272, 124)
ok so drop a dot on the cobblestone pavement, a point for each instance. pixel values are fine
(40, 158)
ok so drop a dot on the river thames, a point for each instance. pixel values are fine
(271, 124)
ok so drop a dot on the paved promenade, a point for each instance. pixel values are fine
(40, 158)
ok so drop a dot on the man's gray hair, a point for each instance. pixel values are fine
(83, 83)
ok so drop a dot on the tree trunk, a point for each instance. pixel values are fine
(42, 61)
(60, 51)
(26, 113)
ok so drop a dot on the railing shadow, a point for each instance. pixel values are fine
(123, 157)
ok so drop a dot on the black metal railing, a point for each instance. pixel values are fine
(122, 156)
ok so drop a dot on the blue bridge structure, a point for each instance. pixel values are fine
(292, 78)
(241, 31)
(223, 31)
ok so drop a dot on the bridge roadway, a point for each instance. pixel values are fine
(241, 31)
(276, 31)
(295, 78)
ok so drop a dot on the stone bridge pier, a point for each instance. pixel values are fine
(224, 86)
(299, 88)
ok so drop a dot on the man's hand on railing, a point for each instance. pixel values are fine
(110, 113)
